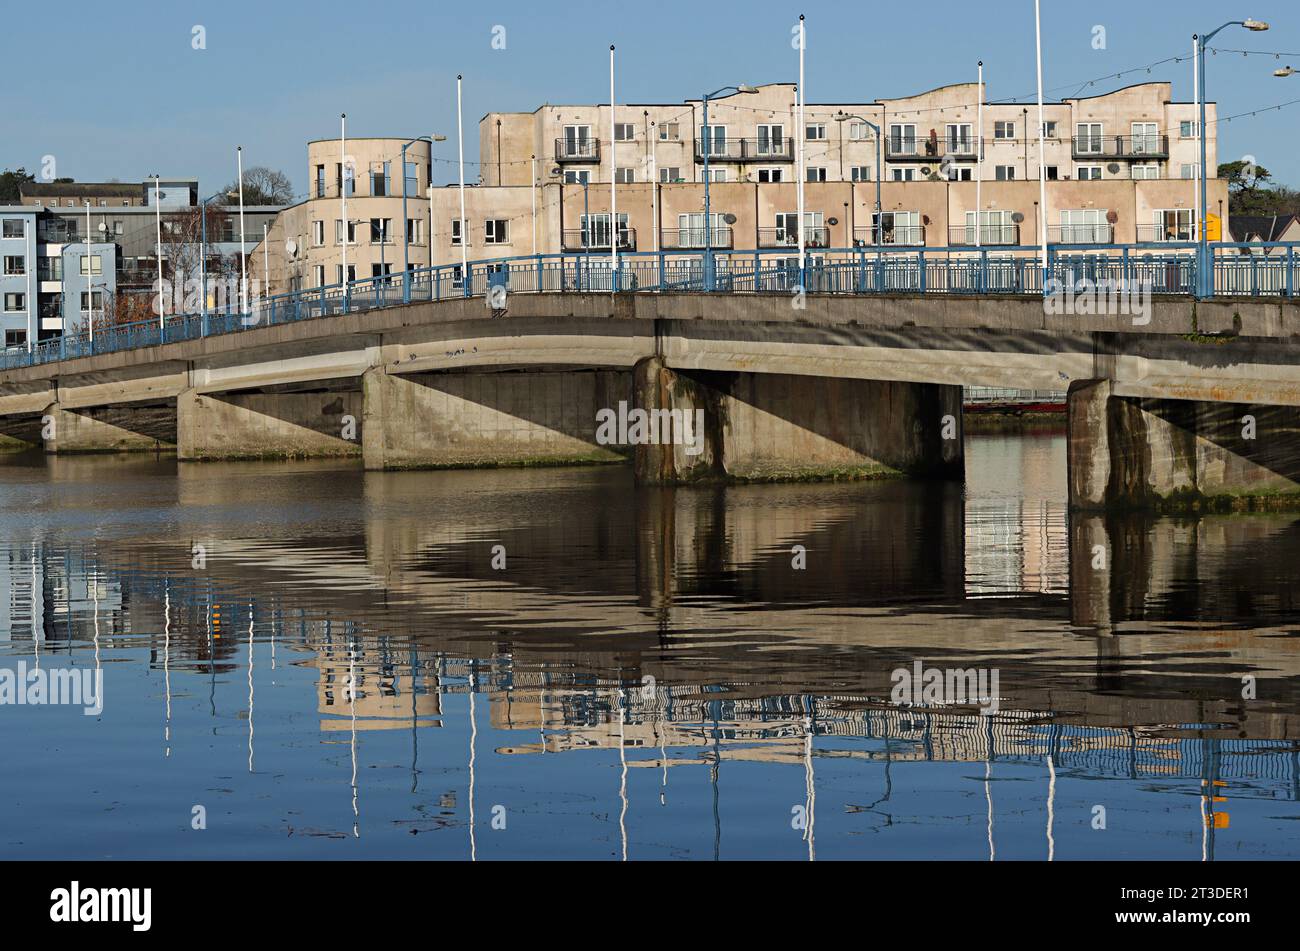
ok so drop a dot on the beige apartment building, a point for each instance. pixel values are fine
(1121, 168)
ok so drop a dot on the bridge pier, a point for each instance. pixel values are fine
(480, 419)
(118, 428)
(274, 423)
(1179, 455)
(768, 427)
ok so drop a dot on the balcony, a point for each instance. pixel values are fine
(930, 150)
(692, 239)
(747, 150)
(1165, 234)
(963, 236)
(789, 237)
(578, 240)
(577, 150)
(1130, 147)
(1081, 234)
(898, 236)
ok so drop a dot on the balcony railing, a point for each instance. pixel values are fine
(930, 150)
(598, 240)
(903, 236)
(1121, 146)
(686, 239)
(1081, 234)
(577, 150)
(1160, 234)
(814, 237)
(965, 235)
(746, 150)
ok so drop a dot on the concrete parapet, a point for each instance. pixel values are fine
(269, 425)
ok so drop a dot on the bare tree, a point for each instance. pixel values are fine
(264, 186)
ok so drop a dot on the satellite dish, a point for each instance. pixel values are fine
(291, 247)
(832, 221)
(102, 226)
(729, 219)
(1113, 168)
(925, 170)
(1018, 217)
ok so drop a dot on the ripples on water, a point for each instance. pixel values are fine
(648, 677)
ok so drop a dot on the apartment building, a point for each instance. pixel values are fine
(1120, 167)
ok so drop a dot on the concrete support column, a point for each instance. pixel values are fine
(272, 425)
(763, 427)
(107, 429)
(467, 420)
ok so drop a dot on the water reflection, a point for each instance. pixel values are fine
(334, 663)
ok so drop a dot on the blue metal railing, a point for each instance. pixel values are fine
(1168, 269)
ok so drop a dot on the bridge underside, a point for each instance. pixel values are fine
(843, 388)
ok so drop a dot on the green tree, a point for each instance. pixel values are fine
(10, 181)
(1251, 191)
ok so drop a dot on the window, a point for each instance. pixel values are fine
(859, 131)
(768, 175)
(815, 131)
(959, 138)
(713, 139)
(117, 228)
(338, 273)
(670, 174)
(902, 174)
(576, 176)
(787, 228)
(624, 176)
(1049, 129)
(345, 178)
(902, 140)
(1173, 224)
(15, 264)
(338, 231)
(669, 132)
(50, 268)
(624, 132)
(1089, 173)
(1191, 170)
(860, 173)
(957, 174)
(1146, 138)
(381, 230)
(1005, 173)
(92, 265)
(92, 301)
(690, 230)
(1004, 130)
(381, 270)
(578, 142)
(15, 338)
(1146, 172)
(816, 173)
(318, 273)
(1053, 173)
(318, 233)
(771, 140)
(14, 228)
(717, 174)
(15, 302)
(412, 180)
(595, 230)
(1084, 226)
(320, 181)
(1088, 138)
(995, 227)
(1188, 129)
(379, 181)
(456, 232)
(415, 230)
(898, 227)
(496, 231)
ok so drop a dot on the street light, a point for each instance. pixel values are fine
(842, 116)
(203, 249)
(706, 140)
(1204, 277)
(1284, 72)
(406, 234)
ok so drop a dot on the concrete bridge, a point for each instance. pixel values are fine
(1197, 406)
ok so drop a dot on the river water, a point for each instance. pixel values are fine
(303, 660)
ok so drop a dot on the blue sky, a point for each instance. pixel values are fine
(116, 90)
